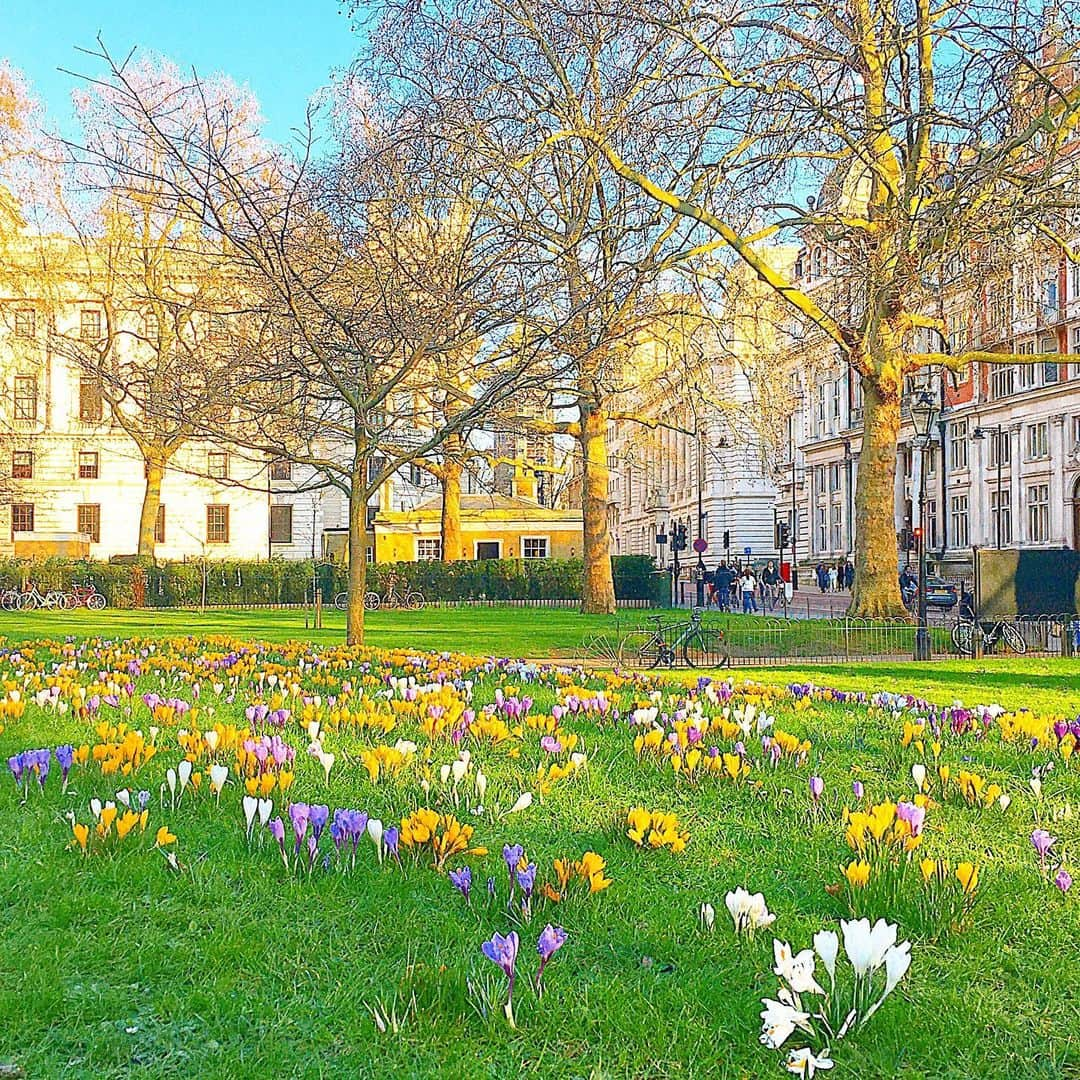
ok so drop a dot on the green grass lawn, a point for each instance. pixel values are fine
(114, 966)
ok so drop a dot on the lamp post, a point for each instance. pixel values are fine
(982, 432)
(849, 461)
(924, 411)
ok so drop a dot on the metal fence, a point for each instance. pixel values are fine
(726, 641)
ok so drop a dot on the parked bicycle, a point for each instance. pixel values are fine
(700, 646)
(407, 601)
(86, 596)
(963, 636)
(32, 598)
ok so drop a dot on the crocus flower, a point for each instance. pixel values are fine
(513, 855)
(391, 838)
(277, 831)
(15, 764)
(1043, 842)
(552, 939)
(462, 881)
(805, 1063)
(817, 786)
(503, 951)
(65, 755)
(299, 814)
(551, 744)
(857, 789)
(318, 815)
(1063, 880)
(527, 879)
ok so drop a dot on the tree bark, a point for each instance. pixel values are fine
(354, 612)
(597, 585)
(155, 460)
(450, 525)
(876, 591)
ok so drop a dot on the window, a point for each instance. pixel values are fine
(217, 465)
(1038, 441)
(1001, 517)
(1075, 432)
(22, 518)
(1074, 367)
(1000, 449)
(931, 523)
(1038, 507)
(958, 445)
(159, 525)
(836, 387)
(151, 327)
(820, 476)
(931, 461)
(370, 554)
(821, 405)
(1074, 281)
(25, 322)
(90, 401)
(958, 520)
(22, 465)
(1002, 380)
(88, 465)
(217, 523)
(416, 475)
(26, 397)
(88, 520)
(534, 547)
(428, 550)
(837, 527)
(280, 470)
(371, 513)
(90, 324)
(834, 477)
(281, 524)
(374, 467)
(822, 529)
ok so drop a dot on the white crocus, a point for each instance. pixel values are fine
(183, 772)
(778, 1020)
(524, 801)
(481, 785)
(444, 774)
(918, 774)
(1003, 801)
(458, 769)
(375, 831)
(827, 945)
(897, 962)
(266, 808)
(211, 739)
(218, 775)
(95, 808)
(804, 1062)
(124, 796)
(866, 946)
(707, 914)
(251, 808)
(748, 912)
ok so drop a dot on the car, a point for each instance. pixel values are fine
(941, 593)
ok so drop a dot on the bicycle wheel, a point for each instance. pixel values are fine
(706, 648)
(10, 601)
(644, 648)
(1013, 638)
(372, 600)
(96, 602)
(28, 601)
(341, 601)
(414, 601)
(963, 637)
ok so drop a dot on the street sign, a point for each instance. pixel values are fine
(701, 544)
(746, 551)
(661, 539)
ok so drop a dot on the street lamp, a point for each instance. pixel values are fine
(995, 430)
(924, 412)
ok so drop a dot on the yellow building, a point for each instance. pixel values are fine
(492, 527)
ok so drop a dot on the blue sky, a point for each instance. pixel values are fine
(284, 51)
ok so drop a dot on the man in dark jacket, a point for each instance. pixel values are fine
(722, 583)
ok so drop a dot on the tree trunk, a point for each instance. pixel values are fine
(876, 591)
(354, 613)
(155, 460)
(597, 586)
(450, 525)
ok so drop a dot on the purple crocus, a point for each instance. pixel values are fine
(552, 939)
(527, 879)
(15, 764)
(817, 786)
(277, 831)
(390, 838)
(1063, 880)
(551, 744)
(462, 881)
(503, 951)
(1043, 842)
(914, 815)
(857, 789)
(299, 814)
(318, 816)
(513, 855)
(65, 756)
(491, 887)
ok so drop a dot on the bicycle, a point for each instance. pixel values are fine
(9, 599)
(85, 596)
(407, 601)
(963, 636)
(701, 646)
(33, 598)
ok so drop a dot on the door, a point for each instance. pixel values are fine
(488, 549)
(1076, 516)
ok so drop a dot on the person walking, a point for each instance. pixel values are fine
(822, 577)
(833, 578)
(770, 580)
(748, 586)
(722, 585)
(849, 575)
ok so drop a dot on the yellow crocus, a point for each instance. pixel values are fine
(164, 837)
(857, 873)
(968, 875)
(82, 833)
(928, 868)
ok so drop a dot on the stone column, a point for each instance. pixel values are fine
(1016, 495)
(1058, 531)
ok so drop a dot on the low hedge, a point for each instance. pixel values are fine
(276, 581)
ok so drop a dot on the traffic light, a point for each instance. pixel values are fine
(916, 539)
(727, 538)
(679, 537)
(783, 535)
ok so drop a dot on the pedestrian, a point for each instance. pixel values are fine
(770, 580)
(722, 585)
(710, 587)
(822, 577)
(748, 585)
(833, 578)
(849, 575)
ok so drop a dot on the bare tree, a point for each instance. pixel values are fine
(510, 80)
